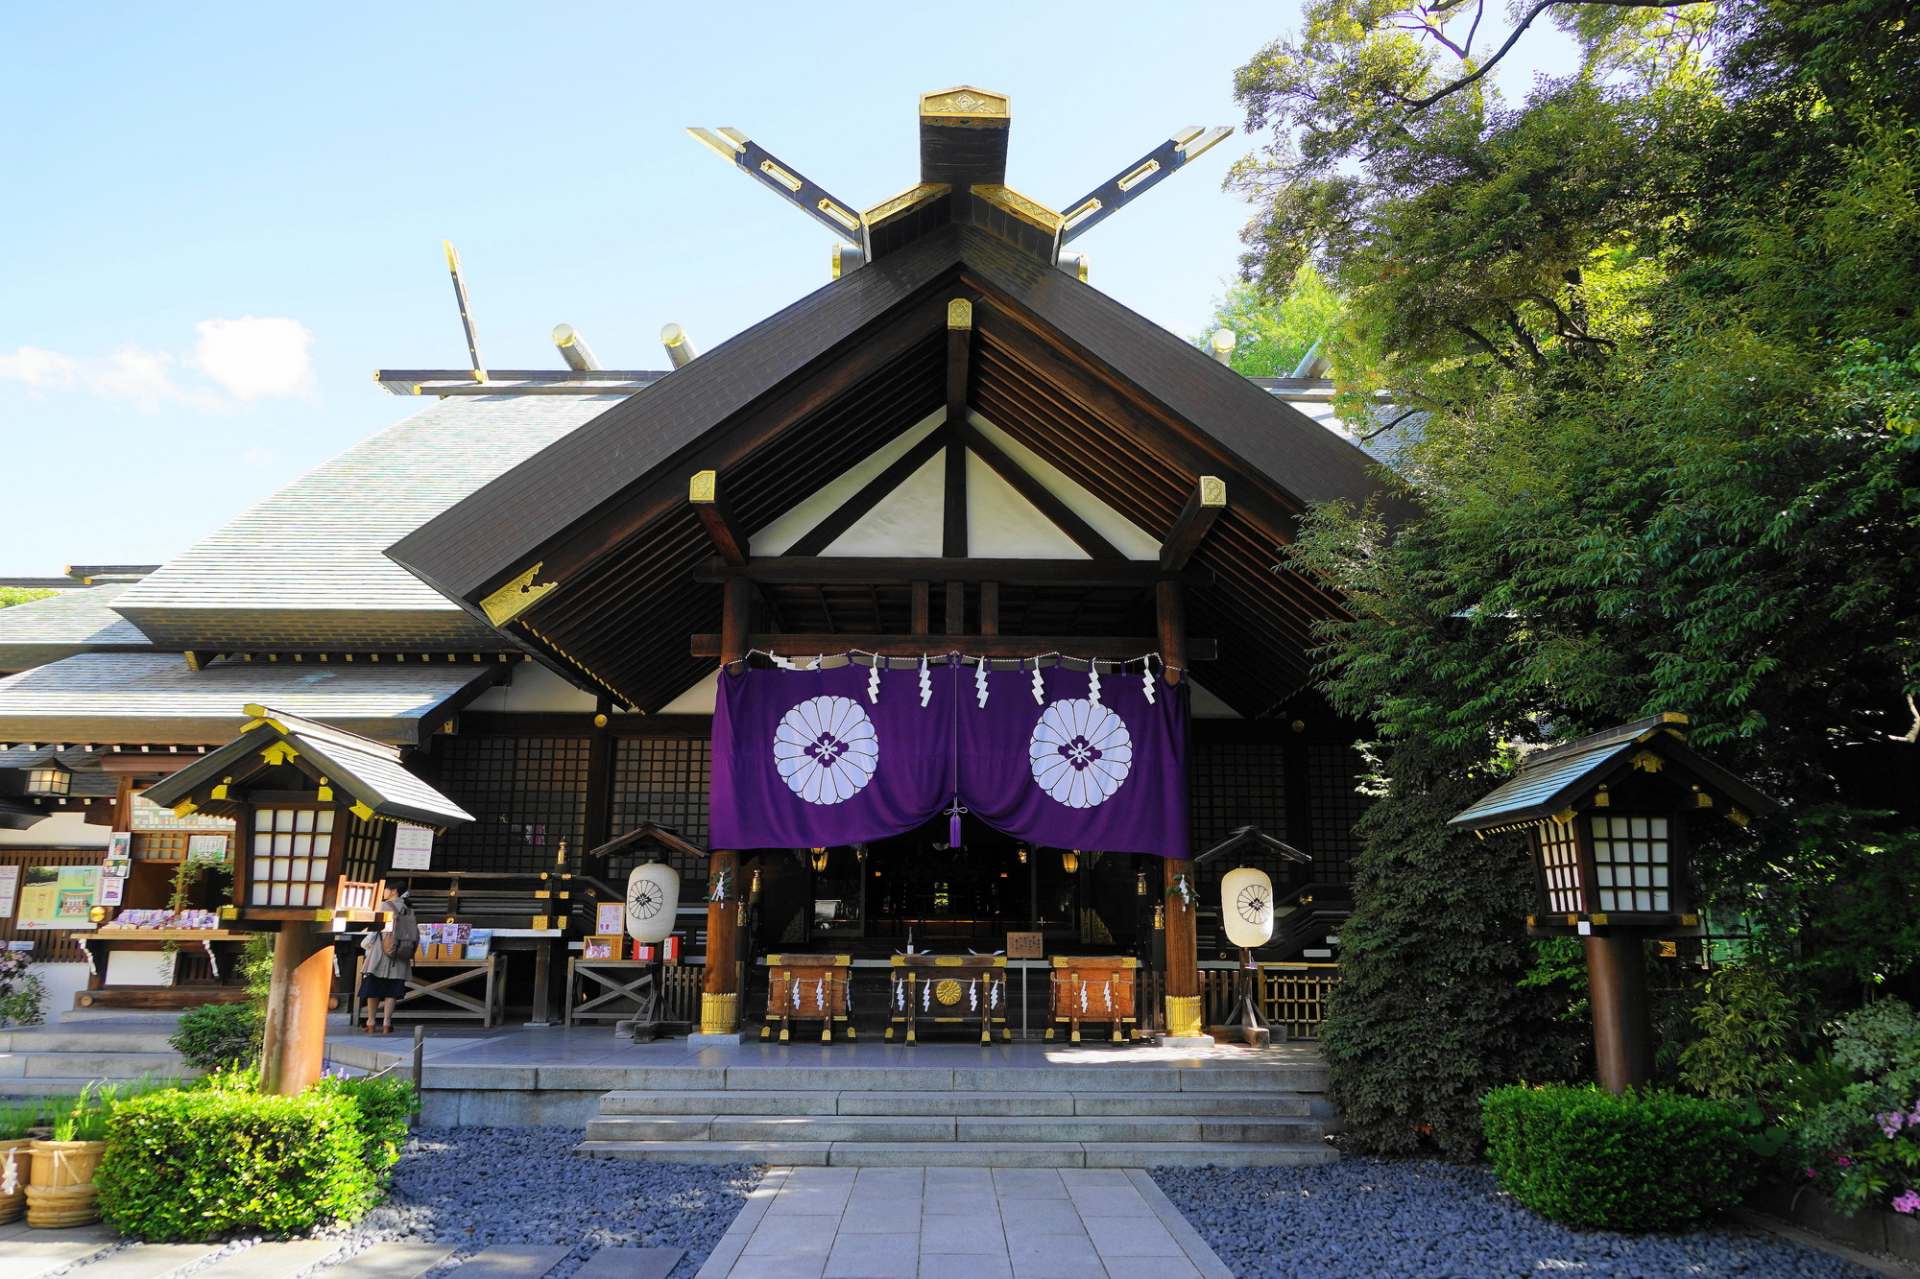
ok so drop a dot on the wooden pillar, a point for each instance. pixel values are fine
(296, 1027)
(720, 986)
(1185, 1018)
(1622, 1035)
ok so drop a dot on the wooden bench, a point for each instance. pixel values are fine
(469, 990)
(1095, 988)
(948, 990)
(808, 988)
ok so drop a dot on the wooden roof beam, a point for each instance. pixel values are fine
(953, 531)
(1204, 505)
(1103, 648)
(865, 570)
(704, 492)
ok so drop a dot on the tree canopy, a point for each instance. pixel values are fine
(11, 595)
(1661, 313)
(1272, 335)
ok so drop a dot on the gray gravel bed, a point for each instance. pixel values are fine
(1370, 1218)
(473, 1187)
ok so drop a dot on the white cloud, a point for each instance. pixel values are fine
(39, 367)
(251, 358)
(256, 356)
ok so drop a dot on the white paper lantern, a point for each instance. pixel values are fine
(653, 895)
(1246, 906)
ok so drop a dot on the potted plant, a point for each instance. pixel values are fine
(16, 1150)
(60, 1190)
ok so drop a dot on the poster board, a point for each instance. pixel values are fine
(412, 847)
(1026, 945)
(57, 897)
(610, 918)
(9, 890)
(207, 848)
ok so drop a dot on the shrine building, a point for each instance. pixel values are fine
(945, 608)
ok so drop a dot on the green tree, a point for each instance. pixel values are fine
(11, 595)
(1661, 315)
(1272, 336)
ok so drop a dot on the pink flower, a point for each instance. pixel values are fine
(1909, 1202)
(1811, 1174)
(1843, 1161)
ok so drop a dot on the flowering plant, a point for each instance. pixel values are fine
(1863, 1148)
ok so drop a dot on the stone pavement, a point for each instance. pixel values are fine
(961, 1223)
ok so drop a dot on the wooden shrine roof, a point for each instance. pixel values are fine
(1123, 407)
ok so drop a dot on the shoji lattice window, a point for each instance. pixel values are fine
(1560, 854)
(1237, 784)
(290, 847)
(362, 859)
(1632, 861)
(1333, 780)
(663, 780)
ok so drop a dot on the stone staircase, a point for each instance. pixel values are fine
(60, 1060)
(1095, 1116)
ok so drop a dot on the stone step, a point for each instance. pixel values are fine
(1173, 1154)
(947, 1128)
(1013, 1104)
(55, 1039)
(1005, 1079)
(68, 1065)
(970, 1154)
(45, 1086)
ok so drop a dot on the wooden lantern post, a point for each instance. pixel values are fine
(1607, 819)
(1185, 1018)
(294, 1046)
(720, 986)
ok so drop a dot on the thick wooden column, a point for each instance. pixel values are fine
(1185, 1019)
(720, 987)
(1622, 1036)
(296, 1028)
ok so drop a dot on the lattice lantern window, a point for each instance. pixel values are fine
(1632, 863)
(291, 852)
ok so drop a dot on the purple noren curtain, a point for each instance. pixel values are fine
(805, 759)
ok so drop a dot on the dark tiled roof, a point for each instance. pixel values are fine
(154, 697)
(1549, 780)
(367, 771)
(305, 569)
(46, 630)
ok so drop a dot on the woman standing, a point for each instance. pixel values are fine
(389, 954)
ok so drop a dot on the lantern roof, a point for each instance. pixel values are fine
(369, 772)
(1252, 839)
(1560, 777)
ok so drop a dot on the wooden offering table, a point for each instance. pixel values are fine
(949, 990)
(808, 988)
(470, 990)
(1096, 988)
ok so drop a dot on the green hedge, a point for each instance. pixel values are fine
(1650, 1161)
(384, 1108)
(204, 1163)
(218, 1035)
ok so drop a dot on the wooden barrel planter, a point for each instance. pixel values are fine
(16, 1160)
(60, 1190)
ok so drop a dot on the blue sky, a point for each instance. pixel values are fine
(220, 219)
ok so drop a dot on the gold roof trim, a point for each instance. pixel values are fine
(1027, 210)
(966, 107)
(515, 598)
(911, 198)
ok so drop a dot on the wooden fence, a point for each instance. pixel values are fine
(1293, 996)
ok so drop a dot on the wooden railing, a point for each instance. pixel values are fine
(1293, 996)
(349, 894)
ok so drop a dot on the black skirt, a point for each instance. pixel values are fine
(372, 987)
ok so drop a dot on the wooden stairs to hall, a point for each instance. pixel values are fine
(1270, 1111)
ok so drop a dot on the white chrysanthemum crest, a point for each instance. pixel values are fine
(1080, 752)
(826, 749)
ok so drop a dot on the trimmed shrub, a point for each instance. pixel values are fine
(217, 1035)
(1582, 1157)
(204, 1163)
(384, 1106)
